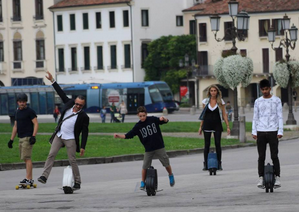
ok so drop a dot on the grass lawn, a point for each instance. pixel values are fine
(99, 146)
(125, 127)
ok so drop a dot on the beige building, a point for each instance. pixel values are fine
(262, 14)
(26, 42)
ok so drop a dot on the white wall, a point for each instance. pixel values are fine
(92, 37)
(162, 22)
(28, 28)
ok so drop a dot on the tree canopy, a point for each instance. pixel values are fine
(162, 62)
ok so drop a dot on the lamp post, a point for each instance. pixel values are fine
(235, 33)
(189, 68)
(287, 43)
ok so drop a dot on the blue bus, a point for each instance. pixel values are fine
(154, 95)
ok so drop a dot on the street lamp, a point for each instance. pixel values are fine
(234, 32)
(286, 43)
(189, 68)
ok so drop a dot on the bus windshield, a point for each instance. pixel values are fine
(165, 92)
(155, 94)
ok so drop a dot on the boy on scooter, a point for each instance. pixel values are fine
(149, 133)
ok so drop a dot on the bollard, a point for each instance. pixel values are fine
(192, 110)
(241, 110)
(242, 129)
(285, 106)
(165, 111)
(248, 107)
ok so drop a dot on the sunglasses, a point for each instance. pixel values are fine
(77, 104)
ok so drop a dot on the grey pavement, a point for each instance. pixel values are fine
(113, 187)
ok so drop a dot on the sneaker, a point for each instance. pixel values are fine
(142, 185)
(77, 186)
(42, 179)
(277, 182)
(171, 180)
(260, 184)
(25, 181)
(31, 182)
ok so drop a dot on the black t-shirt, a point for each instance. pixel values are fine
(149, 133)
(24, 122)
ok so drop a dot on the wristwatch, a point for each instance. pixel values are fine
(52, 80)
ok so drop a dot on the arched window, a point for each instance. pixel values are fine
(40, 49)
(1, 49)
(17, 51)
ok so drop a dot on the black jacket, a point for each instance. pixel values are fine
(82, 121)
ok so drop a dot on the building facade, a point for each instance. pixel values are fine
(256, 45)
(26, 42)
(106, 41)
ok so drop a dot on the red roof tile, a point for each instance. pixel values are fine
(210, 7)
(77, 3)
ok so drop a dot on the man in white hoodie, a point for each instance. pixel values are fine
(267, 127)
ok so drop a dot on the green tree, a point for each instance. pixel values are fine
(165, 53)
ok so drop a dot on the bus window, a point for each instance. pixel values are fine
(50, 102)
(4, 109)
(74, 93)
(165, 92)
(42, 103)
(34, 102)
(155, 94)
(12, 103)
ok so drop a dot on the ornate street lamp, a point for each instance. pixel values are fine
(189, 68)
(234, 32)
(287, 43)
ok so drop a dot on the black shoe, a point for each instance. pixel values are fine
(204, 166)
(42, 179)
(77, 186)
(220, 166)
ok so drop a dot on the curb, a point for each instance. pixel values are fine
(113, 159)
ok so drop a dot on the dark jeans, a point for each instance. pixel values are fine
(123, 118)
(262, 139)
(217, 137)
(112, 117)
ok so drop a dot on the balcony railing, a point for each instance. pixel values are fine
(73, 69)
(127, 66)
(38, 17)
(60, 69)
(40, 64)
(17, 65)
(113, 67)
(87, 68)
(99, 67)
(203, 70)
(16, 18)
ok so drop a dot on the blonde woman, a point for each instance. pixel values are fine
(212, 122)
(123, 110)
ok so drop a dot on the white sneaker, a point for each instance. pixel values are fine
(260, 184)
(277, 182)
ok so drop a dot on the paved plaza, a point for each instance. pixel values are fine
(114, 187)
